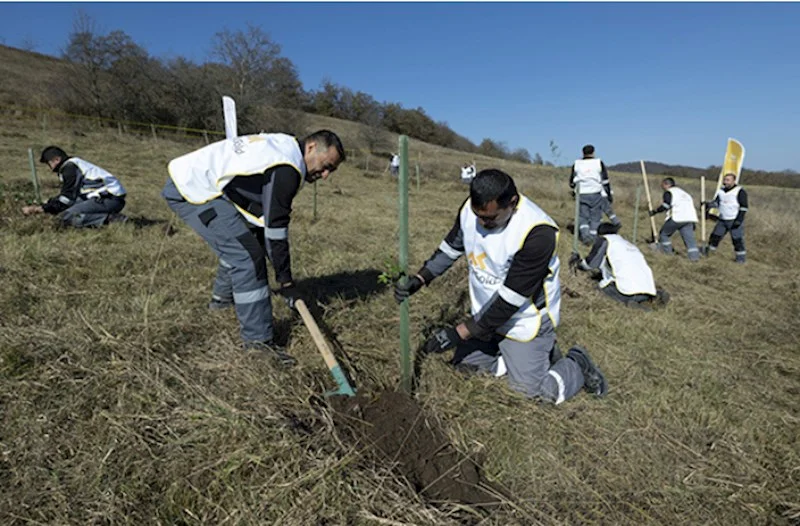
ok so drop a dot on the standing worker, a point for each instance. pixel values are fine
(90, 196)
(591, 174)
(510, 244)
(731, 200)
(394, 165)
(681, 216)
(237, 195)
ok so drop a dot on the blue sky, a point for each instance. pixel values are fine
(662, 82)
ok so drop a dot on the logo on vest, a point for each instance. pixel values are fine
(477, 261)
(238, 146)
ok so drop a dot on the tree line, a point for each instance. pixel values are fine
(111, 76)
(785, 178)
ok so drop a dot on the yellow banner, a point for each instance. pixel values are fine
(734, 158)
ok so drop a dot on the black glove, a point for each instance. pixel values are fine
(290, 294)
(574, 261)
(442, 340)
(652, 213)
(405, 287)
(736, 224)
(610, 198)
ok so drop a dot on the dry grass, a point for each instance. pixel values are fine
(123, 400)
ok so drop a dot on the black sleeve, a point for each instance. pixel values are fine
(666, 202)
(280, 187)
(596, 255)
(742, 198)
(606, 182)
(70, 177)
(525, 280)
(448, 252)
(572, 177)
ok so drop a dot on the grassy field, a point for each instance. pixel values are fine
(124, 401)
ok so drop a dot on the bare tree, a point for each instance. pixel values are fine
(251, 55)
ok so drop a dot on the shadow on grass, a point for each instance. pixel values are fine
(321, 291)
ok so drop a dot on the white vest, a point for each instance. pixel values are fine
(201, 175)
(588, 172)
(489, 256)
(625, 265)
(682, 208)
(729, 203)
(95, 180)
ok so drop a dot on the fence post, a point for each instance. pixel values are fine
(119, 129)
(205, 136)
(153, 129)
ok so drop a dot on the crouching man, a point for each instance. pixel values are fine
(510, 244)
(90, 196)
(624, 273)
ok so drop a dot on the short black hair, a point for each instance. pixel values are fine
(51, 152)
(607, 228)
(492, 185)
(669, 181)
(588, 149)
(327, 139)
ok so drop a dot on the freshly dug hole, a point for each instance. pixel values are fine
(395, 425)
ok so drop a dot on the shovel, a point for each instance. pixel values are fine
(344, 387)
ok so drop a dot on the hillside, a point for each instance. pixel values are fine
(123, 400)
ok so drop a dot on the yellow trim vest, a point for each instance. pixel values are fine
(682, 207)
(96, 181)
(729, 203)
(201, 175)
(489, 256)
(589, 173)
(625, 265)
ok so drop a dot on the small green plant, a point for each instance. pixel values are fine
(391, 273)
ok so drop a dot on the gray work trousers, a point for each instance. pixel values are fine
(589, 216)
(605, 206)
(687, 233)
(529, 368)
(92, 212)
(737, 237)
(242, 271)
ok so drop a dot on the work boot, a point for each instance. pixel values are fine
(662, 296)
(593, 380)
(740, 258)
(271, 350)
(217, 304)
(117, 218)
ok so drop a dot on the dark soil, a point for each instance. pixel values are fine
(403, 434)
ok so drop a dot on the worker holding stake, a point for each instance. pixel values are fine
(237, 195)
(510, 244)
(591, 175)
(731, 200)
(681, 217)
(624, 273)
(90, 196)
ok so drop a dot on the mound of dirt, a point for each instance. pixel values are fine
(401, 432)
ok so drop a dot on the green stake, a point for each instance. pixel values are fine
(315, 201)
(405, 349)
(577, 215)
(34, 177)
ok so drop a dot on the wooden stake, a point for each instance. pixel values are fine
(702, 210)
(649, 202)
